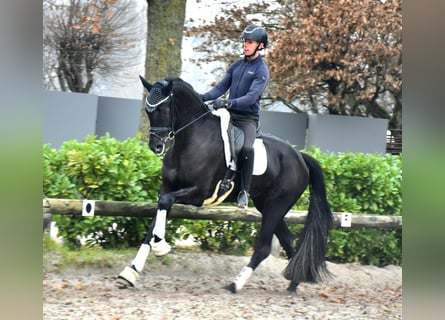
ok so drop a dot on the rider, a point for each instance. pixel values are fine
(247, 79)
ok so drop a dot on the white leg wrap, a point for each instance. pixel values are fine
(139, 261)
(242, 278)
(161, 219)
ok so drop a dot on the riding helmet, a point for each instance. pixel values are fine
(255, 33)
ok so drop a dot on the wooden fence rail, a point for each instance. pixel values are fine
(145, 209)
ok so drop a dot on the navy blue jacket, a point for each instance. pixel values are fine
(246, 81)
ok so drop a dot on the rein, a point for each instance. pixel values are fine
(170, 129)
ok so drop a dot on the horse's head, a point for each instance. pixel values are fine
(172, 106)
(158, 106)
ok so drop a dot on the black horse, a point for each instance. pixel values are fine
(185, 129)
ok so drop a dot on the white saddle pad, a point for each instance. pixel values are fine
(260, 158)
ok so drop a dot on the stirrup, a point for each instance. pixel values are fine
(160, 248)
(243, 199)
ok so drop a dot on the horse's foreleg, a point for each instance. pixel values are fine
(129, 275)
(157, 242)
(154, 240)
(158, 245)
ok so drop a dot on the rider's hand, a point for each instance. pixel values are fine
(221, 103)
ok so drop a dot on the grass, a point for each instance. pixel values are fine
(95, 257)
(59, 257)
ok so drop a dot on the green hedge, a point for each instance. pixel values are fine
(107, 169)
(363, 183)
(367, 183)
(102, 169)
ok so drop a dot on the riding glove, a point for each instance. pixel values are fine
(222, 103)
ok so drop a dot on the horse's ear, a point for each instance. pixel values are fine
(169, 86)
(145, 83)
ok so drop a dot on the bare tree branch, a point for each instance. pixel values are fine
(84, 40)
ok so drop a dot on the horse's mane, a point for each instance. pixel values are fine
(183, 85)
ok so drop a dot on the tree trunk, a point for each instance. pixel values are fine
(165, 26)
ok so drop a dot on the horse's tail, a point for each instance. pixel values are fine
(308, 263)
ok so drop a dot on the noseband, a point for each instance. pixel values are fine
(150, 107)
(155, 131)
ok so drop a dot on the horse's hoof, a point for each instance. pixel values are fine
(292, 289)
(231, 287)
(127, 278)
(122, 283)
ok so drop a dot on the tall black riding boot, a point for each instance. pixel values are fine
(246, 177)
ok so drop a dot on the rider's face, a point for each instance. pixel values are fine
(249, 47)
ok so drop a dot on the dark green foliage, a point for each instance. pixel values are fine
(234, 237)
(358, 182)
(102, 169)
(106, 169)
(367, 246)
(361, 183)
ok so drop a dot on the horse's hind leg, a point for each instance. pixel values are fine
(285, 237)
(292, 287)
(262, 250)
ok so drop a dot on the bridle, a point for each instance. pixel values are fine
(172, 132)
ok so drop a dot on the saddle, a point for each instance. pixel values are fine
(236, 140)
(233, 139)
